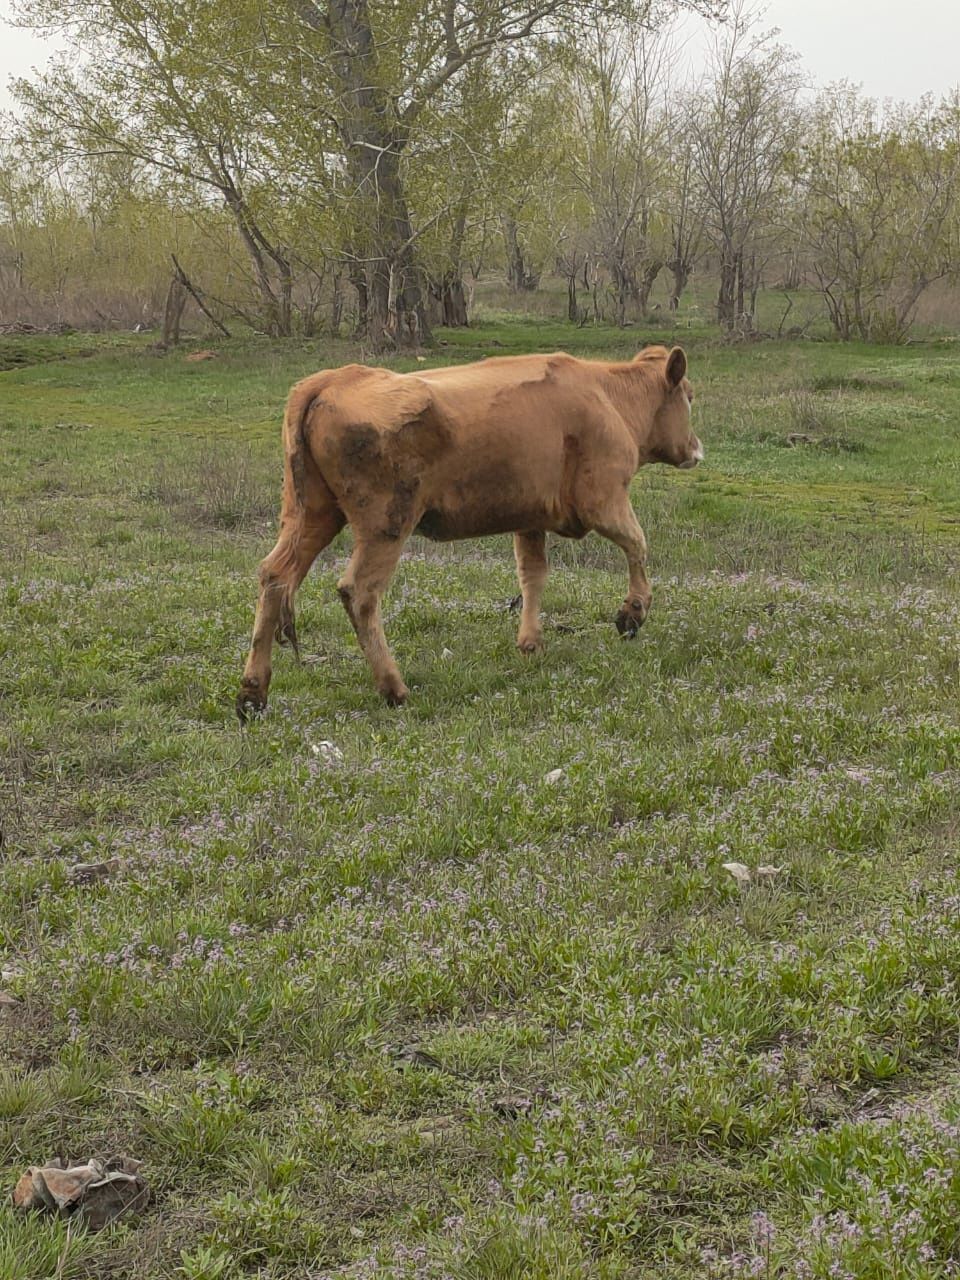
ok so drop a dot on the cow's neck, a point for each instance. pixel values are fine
(635, 391)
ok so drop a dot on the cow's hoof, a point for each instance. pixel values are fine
(631, 618)
(395, 695)
(530, 644)
(251, 703)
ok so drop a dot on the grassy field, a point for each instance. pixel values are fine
(401, 1005)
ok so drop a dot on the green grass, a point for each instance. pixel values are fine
(633, 1066)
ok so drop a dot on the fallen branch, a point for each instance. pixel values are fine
(195, 294)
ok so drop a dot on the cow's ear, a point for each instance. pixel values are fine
(676, 366)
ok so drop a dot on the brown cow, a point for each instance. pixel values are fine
(521, 444)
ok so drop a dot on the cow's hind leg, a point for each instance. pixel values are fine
(366, 578)
(530, 550)
(303, 535)
(620, 525)
(318, 532)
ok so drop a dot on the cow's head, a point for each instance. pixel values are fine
(671, 438)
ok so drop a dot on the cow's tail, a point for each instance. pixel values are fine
(302, 485)
(295, 448)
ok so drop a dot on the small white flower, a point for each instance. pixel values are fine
(328, 752)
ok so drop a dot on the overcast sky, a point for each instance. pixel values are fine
(894, 50)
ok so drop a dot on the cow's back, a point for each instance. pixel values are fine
(463, 451)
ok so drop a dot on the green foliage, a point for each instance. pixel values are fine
(31, 1249)
(314, 126)
(318, 167)
(206, 1263)
(883, 1198)
(881, 214)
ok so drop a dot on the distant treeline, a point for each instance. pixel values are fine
(335, 165)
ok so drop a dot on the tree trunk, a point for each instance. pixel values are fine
(358, 279)
(396, 304)
(448, 292)
(680, 271)
(753, 289)
(314, 300)
(645, 287)
(726, 299)
(793, 276)
(515, 266)
(624, 283)
(394, 308)
(336, 301)
(860, 317)
(285, 313)
(197, 296)
(276, 297)
(518, 276)
(454, 302)
(621, 299)
(573, 310)
(449, 301)
(173, 311)
(595, 292)
(904, 310)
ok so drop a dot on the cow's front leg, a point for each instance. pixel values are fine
(367, 577)
(620, 525)
(530, 550)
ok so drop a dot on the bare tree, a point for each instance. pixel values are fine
(685, 211)
(744, 123)
(619, 154)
